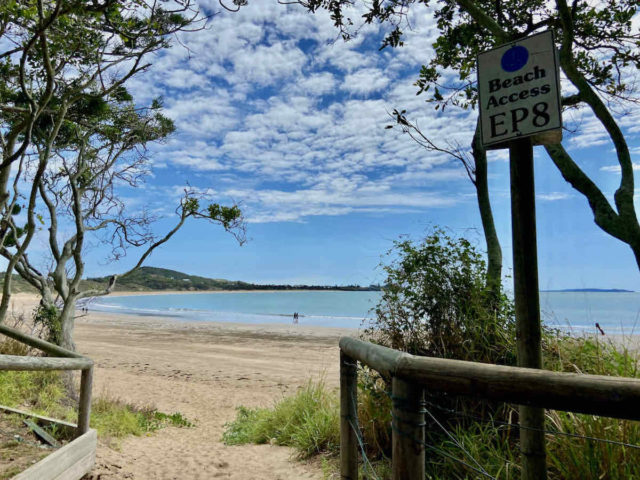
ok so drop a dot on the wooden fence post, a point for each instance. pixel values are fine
(84, 406)
(348, 417)
(407, 455)
(527, 301)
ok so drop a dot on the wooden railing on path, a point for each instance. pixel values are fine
(592, 394)
(61, 359)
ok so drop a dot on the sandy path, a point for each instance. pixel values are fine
(205, 372)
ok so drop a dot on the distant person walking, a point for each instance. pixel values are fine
(295, 318)
(599, 329)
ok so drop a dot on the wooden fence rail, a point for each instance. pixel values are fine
(61, 359)
(593, 394)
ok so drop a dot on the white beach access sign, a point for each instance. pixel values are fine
(519, 92)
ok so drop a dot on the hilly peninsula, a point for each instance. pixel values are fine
(156, 279)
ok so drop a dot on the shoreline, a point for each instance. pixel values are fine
(27, 301)
(128, 293)
(156, 322)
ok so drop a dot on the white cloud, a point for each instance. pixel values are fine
(365, 81)
(552, 196)
(617, 168)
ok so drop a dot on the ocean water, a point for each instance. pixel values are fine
(616, 312)
(318, 308)
(575, 311)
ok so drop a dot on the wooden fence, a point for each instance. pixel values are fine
(61, 359)
(592, 394)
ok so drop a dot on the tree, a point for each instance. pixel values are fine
(598, 49)
(72, 129)
(599, 55)
(81, 190)
(60, 60)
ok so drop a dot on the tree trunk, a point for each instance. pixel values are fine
(494, 251)
(67, 321)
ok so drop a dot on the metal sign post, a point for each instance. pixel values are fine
(519, 97)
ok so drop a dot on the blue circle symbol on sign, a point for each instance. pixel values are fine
(514, 59)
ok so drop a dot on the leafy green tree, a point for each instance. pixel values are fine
(59, 61)
(93, 157)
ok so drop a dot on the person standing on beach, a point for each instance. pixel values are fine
(295, 318)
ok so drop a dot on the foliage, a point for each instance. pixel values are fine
(604, 38)
(495, 445)
(48, 316)
(84, 138)
(40, 392)
(115, 419)
(435, 291)
(488, 438)
(571, 457)
(374, 413)
(435, 303)
(154, 278)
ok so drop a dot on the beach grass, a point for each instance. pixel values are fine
(44, 393)
(309, 422)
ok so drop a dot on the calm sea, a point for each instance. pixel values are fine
(615, 312)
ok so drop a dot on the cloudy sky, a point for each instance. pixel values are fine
(274, 111)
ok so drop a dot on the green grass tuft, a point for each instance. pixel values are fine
(44, 393)
(307, 421)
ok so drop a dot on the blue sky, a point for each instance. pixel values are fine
(276, 112)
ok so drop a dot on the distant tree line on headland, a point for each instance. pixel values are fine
(152, 278)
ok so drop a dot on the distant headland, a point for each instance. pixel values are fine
(154, 279)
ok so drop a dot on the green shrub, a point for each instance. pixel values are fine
(40, 392)
(115, 419)
(435, 303)
(374, 413)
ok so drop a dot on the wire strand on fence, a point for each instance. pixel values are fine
(400, 402)
(356, 429)
(549, 432)
(454, 440)
(438, 450)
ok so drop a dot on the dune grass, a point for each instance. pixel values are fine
(308, 421)
(44, 393)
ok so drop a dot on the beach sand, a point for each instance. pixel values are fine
(204, 371)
